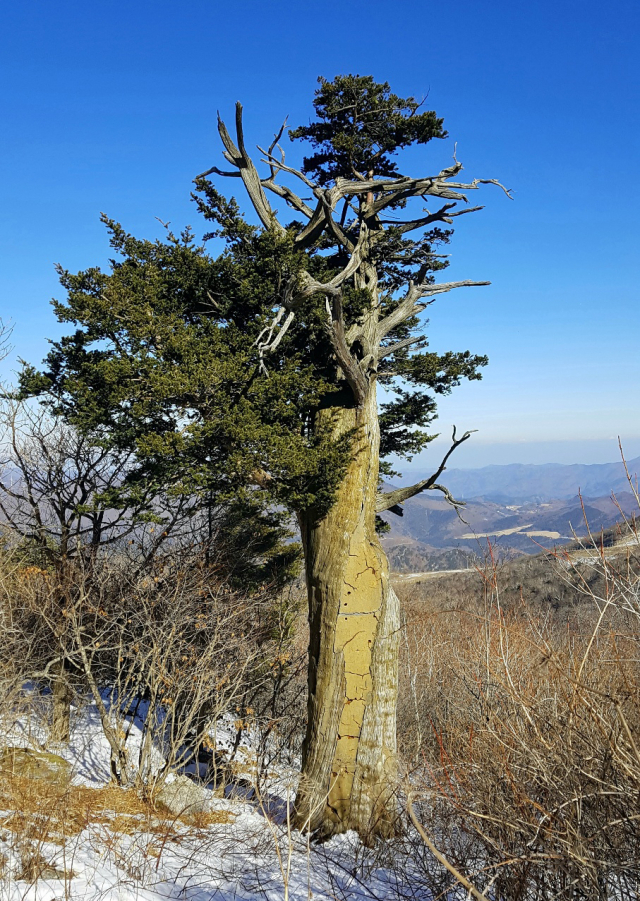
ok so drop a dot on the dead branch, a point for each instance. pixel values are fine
(457, 875)
(376, 194)
(238, 157)
(5, 333)
(372, 195)
(412, 302)
(393, 498)
(399, 345)
(299, 288)
(444, 214)
(335, 329)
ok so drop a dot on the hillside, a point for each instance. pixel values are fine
(538, 483)
(519, 509)
(550, 583)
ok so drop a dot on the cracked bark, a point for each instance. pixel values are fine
(349, 754)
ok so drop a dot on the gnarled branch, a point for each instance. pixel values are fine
(444, 214)
(376, 194)
(299, 288)
(289, 196)
(238, 157)
(393, 498)
(411, 304)
(354, 375)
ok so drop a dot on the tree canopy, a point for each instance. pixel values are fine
(360, 126)
(167, 354)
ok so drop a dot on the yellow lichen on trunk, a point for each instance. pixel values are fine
(355, 634)
(349, 752)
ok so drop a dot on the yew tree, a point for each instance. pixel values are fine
(256, 371)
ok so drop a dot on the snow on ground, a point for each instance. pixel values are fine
(238, 847)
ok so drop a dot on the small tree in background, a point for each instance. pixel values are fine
(259, 368)
(72, 524)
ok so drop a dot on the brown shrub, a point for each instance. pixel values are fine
(522, 733)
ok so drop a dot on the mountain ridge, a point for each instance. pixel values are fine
(538, 481)
(519, 508)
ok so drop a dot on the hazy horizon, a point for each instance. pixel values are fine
(478, 454)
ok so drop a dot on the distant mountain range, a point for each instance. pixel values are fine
(529, 482)
(519, 508)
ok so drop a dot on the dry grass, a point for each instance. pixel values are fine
(54, 809)
(522, 732)
(38, 813)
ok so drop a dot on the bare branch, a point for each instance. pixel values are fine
(5, 332)
(275, 143)
(471, 186)
(457, 875)
(349, 364)
(442, 215)
(297, 203)
(239, 158)
(400, 495)
(389, 192)
(276, 164)
(393, 191)
(399, 345)
(449, 497)
(375, 194)
(299, 288)
(215, 171)
(265, 342)
(411, 304)
(319, 221)
(322, 217)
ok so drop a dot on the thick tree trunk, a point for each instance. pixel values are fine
(349, 754)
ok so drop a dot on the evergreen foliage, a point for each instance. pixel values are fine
(164, 357)
(360, 125)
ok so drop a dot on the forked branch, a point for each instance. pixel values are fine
(413, 302)
(299, 288)
(373, 194)
(391, 499)
(240, 159)
(367, 197)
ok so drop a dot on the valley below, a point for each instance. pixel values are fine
(545, 508)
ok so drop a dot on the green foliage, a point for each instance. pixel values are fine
(248, 543)
(360, 125)
(382, 526)
(164, 355)
(164, 359)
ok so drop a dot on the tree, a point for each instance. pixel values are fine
(68, 514)
(53, 485)
(260, 368)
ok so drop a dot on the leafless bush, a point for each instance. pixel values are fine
(523, 736)
(60, 491)
(5, 333)
(124, 593)
(14, 660)
(174, 646)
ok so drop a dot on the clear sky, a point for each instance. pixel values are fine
(111, 106)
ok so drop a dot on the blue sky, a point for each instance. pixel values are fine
(111, 107)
